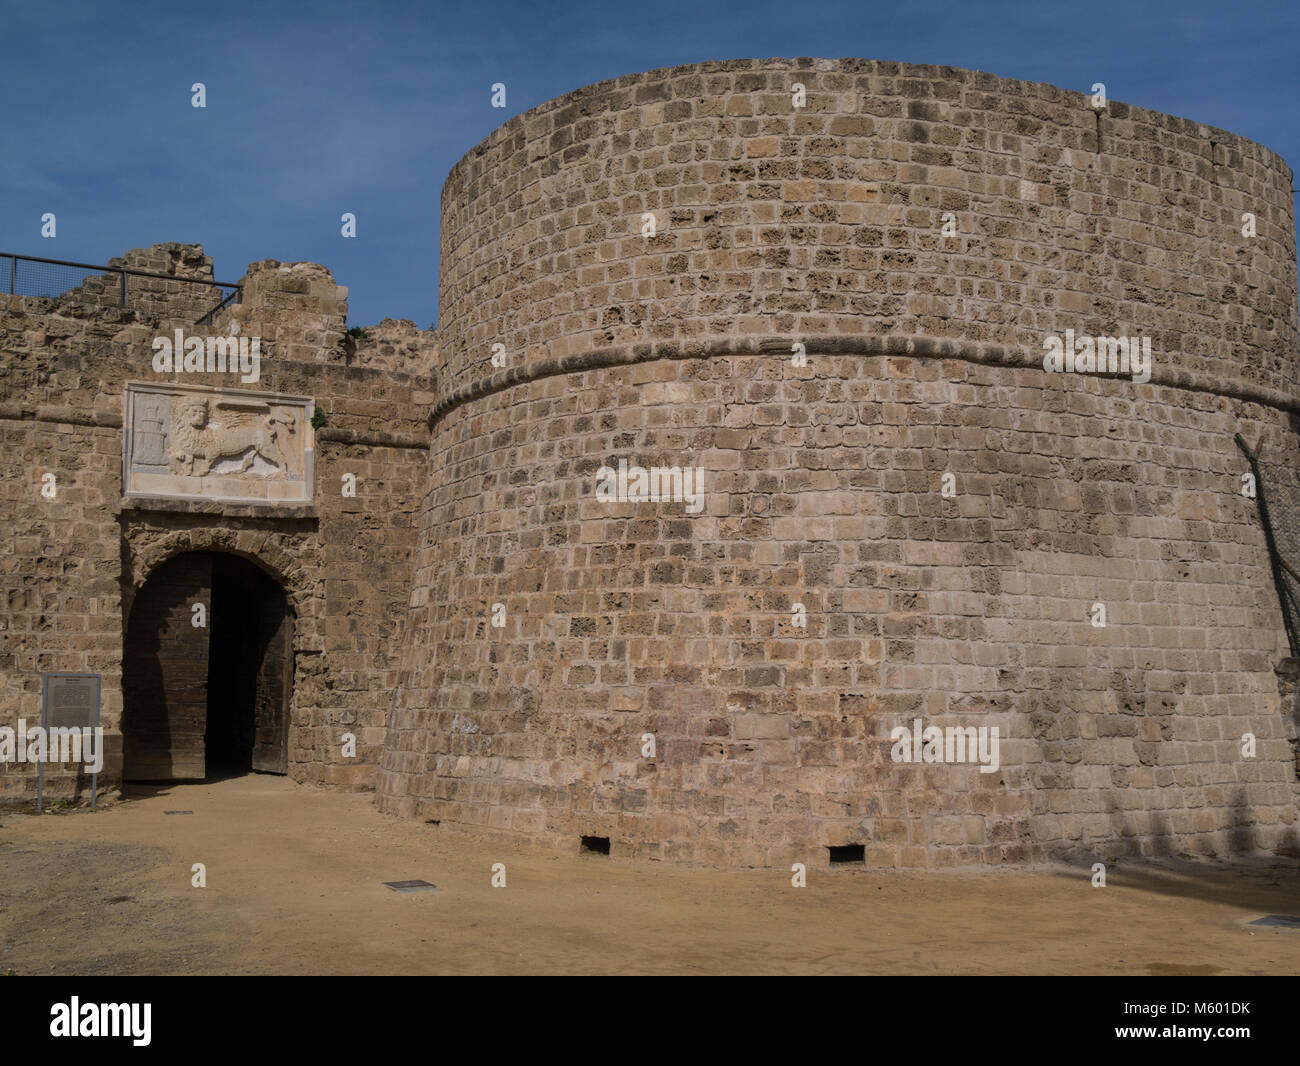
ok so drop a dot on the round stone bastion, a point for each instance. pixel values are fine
(834, 461)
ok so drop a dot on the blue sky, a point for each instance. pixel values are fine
(317, 109)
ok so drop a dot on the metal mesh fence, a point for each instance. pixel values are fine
(1277, 488)
(53, 280)
(103, 286)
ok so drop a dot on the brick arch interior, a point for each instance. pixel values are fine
(289, 558)
(284, 564)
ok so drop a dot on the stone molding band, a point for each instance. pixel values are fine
(66, 416)
(914, 346)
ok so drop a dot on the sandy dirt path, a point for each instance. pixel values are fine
(294, 886)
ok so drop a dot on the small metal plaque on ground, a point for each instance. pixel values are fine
(178, 812)
(1287, 921)
(411, 886)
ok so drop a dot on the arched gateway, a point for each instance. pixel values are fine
(207, 671)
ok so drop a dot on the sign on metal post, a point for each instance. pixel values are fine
(70, 703)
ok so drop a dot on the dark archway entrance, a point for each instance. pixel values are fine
(210, 699)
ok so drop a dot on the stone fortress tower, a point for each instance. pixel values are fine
(829, 301)
(828, 295)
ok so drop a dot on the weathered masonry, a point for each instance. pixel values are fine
(831, 307)
(199, 549)
(824, 226)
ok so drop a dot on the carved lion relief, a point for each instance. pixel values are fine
(217, 443)
(241, 431)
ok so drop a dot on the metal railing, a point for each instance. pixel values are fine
(1281, 524)
(98, 285)
(235, 297)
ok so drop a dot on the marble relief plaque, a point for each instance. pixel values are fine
(187, 441)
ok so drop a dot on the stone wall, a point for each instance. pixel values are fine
(825, 221)
(70, 570)
(823, 226)
(394, 344)
(149, 295)
(916, 523)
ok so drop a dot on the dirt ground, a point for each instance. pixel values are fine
(294, 886)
